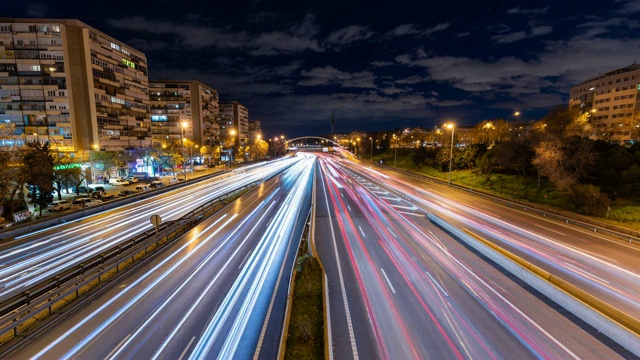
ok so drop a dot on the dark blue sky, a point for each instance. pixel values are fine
(377, 65)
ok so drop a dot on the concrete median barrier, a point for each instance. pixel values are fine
(617, 325)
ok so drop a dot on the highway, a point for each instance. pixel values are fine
(402, 288)
(217, 292)
(40, 255)
(605, 267)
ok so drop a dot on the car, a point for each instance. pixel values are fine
(152, 179)
(156, 184)
(84, 203)
(98, 188)
(124, 193)
(107, 197)
(141, 188)
(131, 179)
(118, 182)
(60, 205)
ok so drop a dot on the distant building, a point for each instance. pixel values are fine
(612, 102)
(234, 122)
(192, 103)
(255, 130)
(64, 81)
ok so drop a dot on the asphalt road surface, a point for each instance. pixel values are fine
(218, 292)
(400, 287)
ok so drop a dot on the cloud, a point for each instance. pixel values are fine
(298, 38)
(559, 66)
(411, 80)
(521, 35)
(517, 10)
(411, 29)
(328, 75)
(349, 34)
(146, 45)
(629, 7)
(36, 10)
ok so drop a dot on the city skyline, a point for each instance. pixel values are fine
(382, 68)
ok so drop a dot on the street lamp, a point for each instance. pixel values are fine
(371, 150)
(183, 126)
(452, 127)
(395, 153)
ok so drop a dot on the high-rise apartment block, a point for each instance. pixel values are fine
(613, 103)
(234, 122)
(65, 81)
(188, 108)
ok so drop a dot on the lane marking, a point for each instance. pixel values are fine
(546, 228)
(184, 352)
(388, 282)
(586, 272)
(352, 338)
(436, 284)
(245, 259)
(118, 346)
(349, 207)
(410, 213)
(394, 235)
(362, 232)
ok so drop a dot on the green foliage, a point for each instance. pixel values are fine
(39, 162)
(589, 200)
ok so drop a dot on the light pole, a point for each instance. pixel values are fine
(371, 150)
(395, 153)
(450, 126)
(183, 126)
(233, 142)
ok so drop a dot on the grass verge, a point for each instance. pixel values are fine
(305, 338)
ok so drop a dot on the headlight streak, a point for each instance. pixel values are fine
(529, 340)
(58, 255)
(184, 283)
(252, 277)
(136, 298)
(381, 340)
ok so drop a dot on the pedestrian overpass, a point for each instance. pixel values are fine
(312, 144)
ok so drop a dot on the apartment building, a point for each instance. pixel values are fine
(255, 130)
(234, 123)
(612, 103)
(65, 82)
(188, 108)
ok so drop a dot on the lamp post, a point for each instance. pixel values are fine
(371, 150)
(233, 141)
(450, 126)
(183, 126)
(395, 153)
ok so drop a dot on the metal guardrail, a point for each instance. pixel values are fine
(629, 236)
(42, 299)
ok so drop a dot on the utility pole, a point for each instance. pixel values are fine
(333, 121)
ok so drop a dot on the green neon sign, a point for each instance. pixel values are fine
(66, 166)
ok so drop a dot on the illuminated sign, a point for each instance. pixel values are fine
(129, 63)
(159, 118)
(66, 166)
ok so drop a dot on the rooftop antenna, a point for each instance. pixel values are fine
(333, 121)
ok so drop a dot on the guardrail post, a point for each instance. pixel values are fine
(27, 295)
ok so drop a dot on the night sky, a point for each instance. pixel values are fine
(377, 65)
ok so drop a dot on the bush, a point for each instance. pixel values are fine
(588, 199)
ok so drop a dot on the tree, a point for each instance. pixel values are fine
(110, 160)
(258, 150)
(39, 161)
(62, 172)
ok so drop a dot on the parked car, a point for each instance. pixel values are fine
(156, 184)
(124, 193)
(152, 179)
(60, 205)
(98, 188)
(141, 188)
(107, 197)
(84, 203)
(118, 182)
(131, 179)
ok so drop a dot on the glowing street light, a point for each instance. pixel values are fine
(452, 127)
